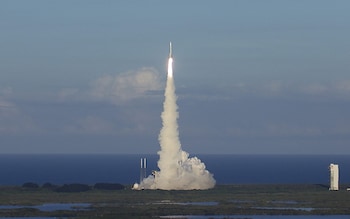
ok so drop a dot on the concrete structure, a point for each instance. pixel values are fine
(334, 177)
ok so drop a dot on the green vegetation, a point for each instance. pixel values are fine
(222, 200)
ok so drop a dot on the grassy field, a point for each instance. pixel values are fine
(222, 200)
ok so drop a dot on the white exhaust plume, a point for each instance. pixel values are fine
(176, 170)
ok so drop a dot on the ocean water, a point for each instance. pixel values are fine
(125, 169)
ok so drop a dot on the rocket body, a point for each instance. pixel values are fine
(170, 50)
(170, 62)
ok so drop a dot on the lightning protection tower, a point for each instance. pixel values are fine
(143, 168)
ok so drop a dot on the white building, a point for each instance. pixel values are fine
(334, 177)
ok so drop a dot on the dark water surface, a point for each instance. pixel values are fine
(258, 217)
(59, 169)
(50, 207)
(227, 217)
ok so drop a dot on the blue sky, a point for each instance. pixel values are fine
(252, 77)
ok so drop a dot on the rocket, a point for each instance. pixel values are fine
(170, 51)
(170, 61)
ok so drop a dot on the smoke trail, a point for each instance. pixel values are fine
(176, 170)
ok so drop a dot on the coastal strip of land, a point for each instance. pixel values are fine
(233, 199)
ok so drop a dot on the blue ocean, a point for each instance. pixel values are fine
(125, 169)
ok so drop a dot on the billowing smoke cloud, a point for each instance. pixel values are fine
(176, 170)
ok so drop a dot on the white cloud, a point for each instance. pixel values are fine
(133, 123)
(343, 86)
(315, 89)
(274, 87)
(287, 130)
(126, 86)
(5, 105)
(13, 121)
(6, 91)
(67, 93)
(334, 90)
(329, 90)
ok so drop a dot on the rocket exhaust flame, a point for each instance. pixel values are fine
(170, 67)
(176, 170)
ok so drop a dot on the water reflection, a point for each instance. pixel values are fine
(30, 218)
(285, 208)
(187, 203)
(49, 207)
